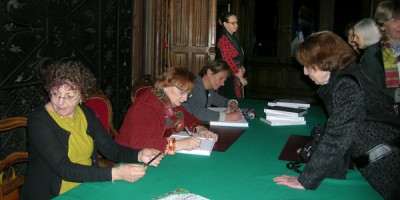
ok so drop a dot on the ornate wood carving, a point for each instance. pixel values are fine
(35, 32)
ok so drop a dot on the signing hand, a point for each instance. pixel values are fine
(290, 181)
(128, 172)
(189, 143)
(233, 116)
(204, 132)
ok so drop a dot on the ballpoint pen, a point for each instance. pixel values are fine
(188, 131)
(155, 157)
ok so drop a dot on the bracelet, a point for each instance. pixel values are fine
(170, 149)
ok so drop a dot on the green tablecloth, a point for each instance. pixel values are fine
(244, 171)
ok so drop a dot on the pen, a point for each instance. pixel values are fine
(188, 131)
(155, 157)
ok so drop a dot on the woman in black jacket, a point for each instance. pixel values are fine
(361, 122)
(64, 138)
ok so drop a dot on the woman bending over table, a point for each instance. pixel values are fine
(65, 136)
(204, 95)
(157, 113)
(361, 120)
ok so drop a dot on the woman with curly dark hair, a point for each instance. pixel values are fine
(65, 136)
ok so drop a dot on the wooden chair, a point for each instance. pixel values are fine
(140, 85)
(101, 105)
(9, 188)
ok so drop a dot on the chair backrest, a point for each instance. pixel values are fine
(9, 187)
(140, 85)
(101, 105)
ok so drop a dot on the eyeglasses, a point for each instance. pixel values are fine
(183, 92)
(55, 96)
(233, 23)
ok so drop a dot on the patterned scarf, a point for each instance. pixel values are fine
(390, 62)
(173, 115)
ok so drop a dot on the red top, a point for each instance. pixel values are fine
(228, 52)
(145, 125)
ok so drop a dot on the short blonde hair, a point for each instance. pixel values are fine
(387, 10)
(178, 76)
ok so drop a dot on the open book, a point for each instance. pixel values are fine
(240, 123)
(205, 148)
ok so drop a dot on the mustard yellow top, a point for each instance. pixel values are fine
(80, 144)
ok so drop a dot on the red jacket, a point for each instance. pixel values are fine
(144, 124)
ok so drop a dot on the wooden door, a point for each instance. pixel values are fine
(192, 37)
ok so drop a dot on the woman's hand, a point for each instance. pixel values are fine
(233, 116)
(233, 106)
(243, 81)
(128, 172)
(290, 181)
(243, 70)
(241, 77)
(204, 132)
(189, 143)
(145, 155)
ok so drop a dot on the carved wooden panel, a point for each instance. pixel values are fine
(35, 32)
(192, 36)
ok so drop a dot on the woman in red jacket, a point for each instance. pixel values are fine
(158, 113)
(232, 53)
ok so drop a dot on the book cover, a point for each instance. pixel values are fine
(291, 103)
(205, 148)
(282, 122)
(180, 194)
(279, 110)
(241, 123)
(283, 117)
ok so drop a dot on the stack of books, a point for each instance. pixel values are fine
(285, 113)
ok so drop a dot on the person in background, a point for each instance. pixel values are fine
(158, 113)
(349, 33)
(204, 95)
(65, 136)
(367, 37)
(232, 53)
(361, 121)
(387, 16)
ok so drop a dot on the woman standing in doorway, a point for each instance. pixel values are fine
(231, 52)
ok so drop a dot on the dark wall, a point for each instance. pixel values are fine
(35, 32)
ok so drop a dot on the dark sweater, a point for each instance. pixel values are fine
(361, 117)
(48, 161)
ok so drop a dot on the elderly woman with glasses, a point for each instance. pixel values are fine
(158, 113)
(65, 136)
(361, 121)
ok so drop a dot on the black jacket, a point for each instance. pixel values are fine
(48, 161)
(361, 117)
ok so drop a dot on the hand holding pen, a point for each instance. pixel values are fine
(155, 157)
(188, 131)
(151, 157)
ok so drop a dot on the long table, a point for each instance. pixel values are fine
(245, 171)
